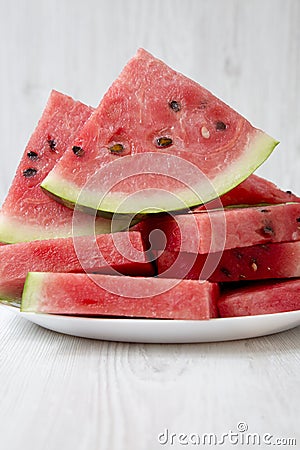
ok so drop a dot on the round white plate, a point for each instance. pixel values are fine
(165, 331)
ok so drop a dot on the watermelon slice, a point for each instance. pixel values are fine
(107, 253)
(203, 232)
(165, 144)
(261, 298)
(257, 262)
(254, 190)
(103, 295)
(27, 213)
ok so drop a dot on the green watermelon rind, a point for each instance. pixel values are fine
(10, 301)
(7, 299)
(31, 292)
(260, 146)
(11, 232)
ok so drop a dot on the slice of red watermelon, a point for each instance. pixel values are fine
(27, 213)
(257, 262)
(254, 190)
(121, 252)
(218, 230)
(103, 295)
(261, 298)
(158, 141)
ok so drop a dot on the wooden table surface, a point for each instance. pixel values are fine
(62, 392)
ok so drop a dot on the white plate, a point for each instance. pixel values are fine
(165, 331)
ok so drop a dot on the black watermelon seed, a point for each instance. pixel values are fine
(264, 210)
(52, 143)
(298, 219)
(226, 272)
(175, 106)
(29, 172)
(220, 126)
(116, 149)
(267, 230)
(289, 192)
(78, 151)
(32, 155)
(164, 142)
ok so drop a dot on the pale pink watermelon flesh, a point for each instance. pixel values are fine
(102, 295)
(123, 252)
(261, 298)
(264, 261)
(28, 213)
(254, 190)
(204, 232)
(156, 120)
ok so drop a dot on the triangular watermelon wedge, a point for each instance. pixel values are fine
(28, 213)
(158, 141)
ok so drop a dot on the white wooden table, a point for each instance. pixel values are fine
(61, 392)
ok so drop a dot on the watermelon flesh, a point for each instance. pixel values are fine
(254, 190)
(280, 260)
(103, 295)
(166, 143)
(107, 253)
(27, 213)
(261, 298)
(219, 230)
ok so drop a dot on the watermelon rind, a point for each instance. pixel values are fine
(31, 292)
(11, 232)
(258, 148)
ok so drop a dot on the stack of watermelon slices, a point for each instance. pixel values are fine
(163, 151)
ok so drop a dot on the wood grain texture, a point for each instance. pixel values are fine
(90, 395)
(62, 392)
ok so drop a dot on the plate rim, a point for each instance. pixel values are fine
(17, 310)
(163, 331)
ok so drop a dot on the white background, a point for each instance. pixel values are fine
(246, 52)
(59, 392)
